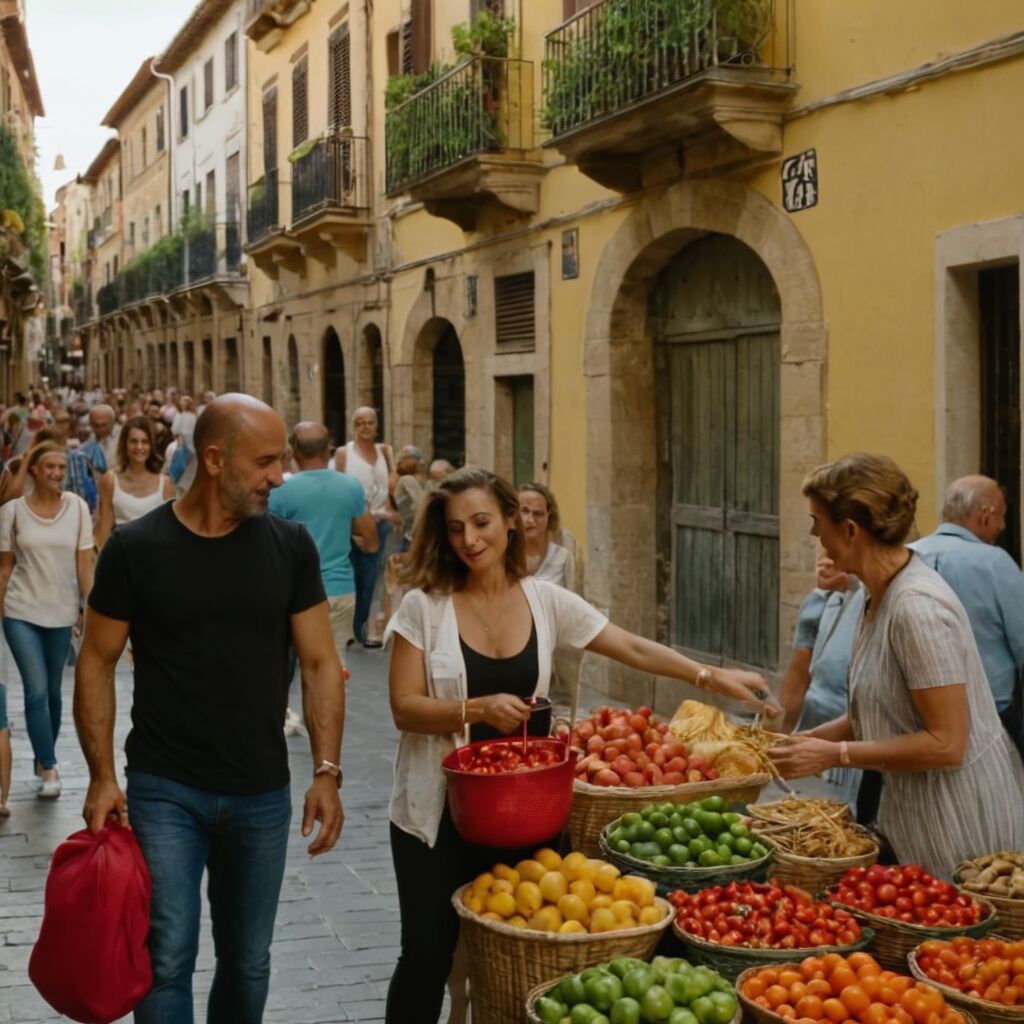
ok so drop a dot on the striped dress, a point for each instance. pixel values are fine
(920, 638)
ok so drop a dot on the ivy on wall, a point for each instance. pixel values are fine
(19, 191)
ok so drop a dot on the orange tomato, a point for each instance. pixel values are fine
(788, 977)
(769, 976)
(811, 967)
(830, 961)
(785, 1010)
(888, 995)
(840, 978)
(858, 960)
(834, 1010)
(819, 987)
(855, 999)
(753, 987)
(809, 1006)
(872, 985)
(776, 995)
(876, 1013)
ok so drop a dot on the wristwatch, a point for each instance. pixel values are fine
(329, 768)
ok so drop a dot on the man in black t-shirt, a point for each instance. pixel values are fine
(212, 590)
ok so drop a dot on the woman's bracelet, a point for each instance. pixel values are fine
(844, 754)
(703, 680)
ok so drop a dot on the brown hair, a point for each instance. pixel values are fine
(154, 462)
(870, 490)
(433, 565)
(34, 454)
(554, 519)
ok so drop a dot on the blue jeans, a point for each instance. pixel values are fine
(242, 841)
(366, 568)
(40, 653)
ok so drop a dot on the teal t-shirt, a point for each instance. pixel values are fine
(325, 502)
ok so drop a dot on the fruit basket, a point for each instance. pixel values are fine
(1011, 911)
(815, 873)
(983, 1010)
(506, 963)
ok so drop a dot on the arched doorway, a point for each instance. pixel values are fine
(293, 403)
(714, 319)
(371, 375)
(334, 386)
(449, 406)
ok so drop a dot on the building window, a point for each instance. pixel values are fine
(231, 62)
(300, 102)
(208, 84)
(160, 128)
(211, 195)
(143, 146)
(514, 314)
(339, 100)
(184, 203)
(183, 112)
(131, 234)
(199, 197)
(158, 221)
(145, 231)
(116, 265)
(270, 130)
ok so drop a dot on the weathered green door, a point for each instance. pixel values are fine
(716, 313)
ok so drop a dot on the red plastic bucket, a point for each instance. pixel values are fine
(514, 809)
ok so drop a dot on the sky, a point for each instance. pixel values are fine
(86, 52)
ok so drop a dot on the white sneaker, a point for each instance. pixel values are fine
(49, 789)
(292, 723)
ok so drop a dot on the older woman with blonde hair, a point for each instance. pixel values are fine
(920, 709)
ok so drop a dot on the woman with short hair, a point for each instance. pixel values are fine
(920, 709)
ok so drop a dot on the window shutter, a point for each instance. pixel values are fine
(407, 65)
(422, 51)
(300, 102)
(208, 84)
(339, 51)
(514, 316)
(270, 130)
(496, 7)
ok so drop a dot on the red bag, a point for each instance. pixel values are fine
(91, 961)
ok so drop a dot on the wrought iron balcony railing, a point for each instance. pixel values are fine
(620, 52)
(262, 212)
(484, 105)
(333, 174)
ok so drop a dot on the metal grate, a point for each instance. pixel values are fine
(514, 311)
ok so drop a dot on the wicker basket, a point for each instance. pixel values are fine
(688, 879)
(982, 1010)
(505, 963)
(1011, 912)
(753, 1011)
(894, 940)
(814, 873)
(540, 990)
(732, 961)
(593, 807)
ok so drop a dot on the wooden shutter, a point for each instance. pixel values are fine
(231, 61)
(496, 7)
(208, 84)
(405, 44)
(422, 50)
(270, 130)
(300, 102)
(339, 53)
(514, 316)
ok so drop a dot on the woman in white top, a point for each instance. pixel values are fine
(373, 465)
(135, 485)
(546, 558)
(472, 642)
(46, 566)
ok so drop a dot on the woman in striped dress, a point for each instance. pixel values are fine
(920, 709)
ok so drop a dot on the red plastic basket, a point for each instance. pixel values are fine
(516, 809)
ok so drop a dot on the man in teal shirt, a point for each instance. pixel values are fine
(332, 506)
(988, 582)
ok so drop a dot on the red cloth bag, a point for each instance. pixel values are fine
(91, 962)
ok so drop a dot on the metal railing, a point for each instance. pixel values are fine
(619, 52)
(261, 213)
(332, 174)
(483, 105)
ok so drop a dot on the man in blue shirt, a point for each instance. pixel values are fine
(988, 582)
(332, 506)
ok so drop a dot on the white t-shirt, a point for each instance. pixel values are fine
(43, 588)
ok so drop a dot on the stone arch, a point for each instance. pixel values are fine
(439, 431)
(619, 377)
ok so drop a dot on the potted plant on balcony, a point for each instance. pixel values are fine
(742, 26)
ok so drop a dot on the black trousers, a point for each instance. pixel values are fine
(427, 877)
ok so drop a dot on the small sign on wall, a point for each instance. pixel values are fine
(800, 181)
(570, 254)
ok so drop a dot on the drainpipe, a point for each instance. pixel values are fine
(171, 177)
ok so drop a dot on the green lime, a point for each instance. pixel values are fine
(645, 831)
(713, 803)
(582, 1013)
(571, 990)
(730, 817)
(757, 851)
(550, 1011)
(603, 991)
(698, 846)
(737, 828)
(648, 811)
(631, 818)
(621, 966)
(615, 835)
(680, 835)
(658, 820)
(656, 1004)
(681, 1015)
(692, 826)
(637, 981)
(645, 851)
(743, 846)
(625, 1011)
(662, 860)
(664, 838)
(710, 859)
(737, 858)
(679, 854)
(727, 839)
(675, 820)
(622, 846)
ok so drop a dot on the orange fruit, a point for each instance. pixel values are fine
(855, 999)
(809, 1006)
(842, 977)
(776, 995)
(833, 1010)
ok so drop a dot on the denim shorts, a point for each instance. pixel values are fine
(4, 724)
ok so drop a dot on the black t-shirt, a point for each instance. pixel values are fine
(485, 675)
(210, 634)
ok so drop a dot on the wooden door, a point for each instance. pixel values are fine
(449, 415)
(334, 387)
(718, 372)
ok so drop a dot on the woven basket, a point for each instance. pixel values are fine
(894, 940)
(814, 873)
(732, 961)
(688, 879)
(1011, 912)
(593, 807)
(753, 1011)
(982, 1010)
(540, 990)
(505, 963)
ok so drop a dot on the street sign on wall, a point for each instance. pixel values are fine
(800, 181)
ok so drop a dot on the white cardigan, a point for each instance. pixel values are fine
(427, 621)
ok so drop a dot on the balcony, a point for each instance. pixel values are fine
(637, 91)
(270, 246)
(266, 20)
(331, 198)
(466, 142)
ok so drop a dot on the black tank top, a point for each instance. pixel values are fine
(484, 675)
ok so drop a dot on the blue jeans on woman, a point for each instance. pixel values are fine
(242, 841)
(40, 653)
(366, 568)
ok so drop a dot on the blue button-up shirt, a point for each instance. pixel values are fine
(990, 586)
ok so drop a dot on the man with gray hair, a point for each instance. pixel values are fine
(101, 448)
(988, 582)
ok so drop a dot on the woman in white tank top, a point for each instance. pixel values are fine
(135, 485)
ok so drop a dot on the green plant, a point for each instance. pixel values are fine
(20, 191)
(487, 35)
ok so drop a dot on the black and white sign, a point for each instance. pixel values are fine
(800, 181)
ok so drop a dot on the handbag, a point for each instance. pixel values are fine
(179, 462)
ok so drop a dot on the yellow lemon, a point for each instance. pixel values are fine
(633, 887)
(530, 870)
(624, 910)
(529, 898)
(585, 890)
(509, 874)
(603, 920)
(571, 926)
(553, 886)
(518, 921)
(571, 865)
(601, 901)
(587, 871)
(605, 878)
(501, 903)
(482, 883)
(490, 915)
(474, 901)
(547, 919)
(550, 859)
(650, 915)
(572, 908)
(502, 885)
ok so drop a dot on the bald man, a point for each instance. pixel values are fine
(988, 582)
(213, 591)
